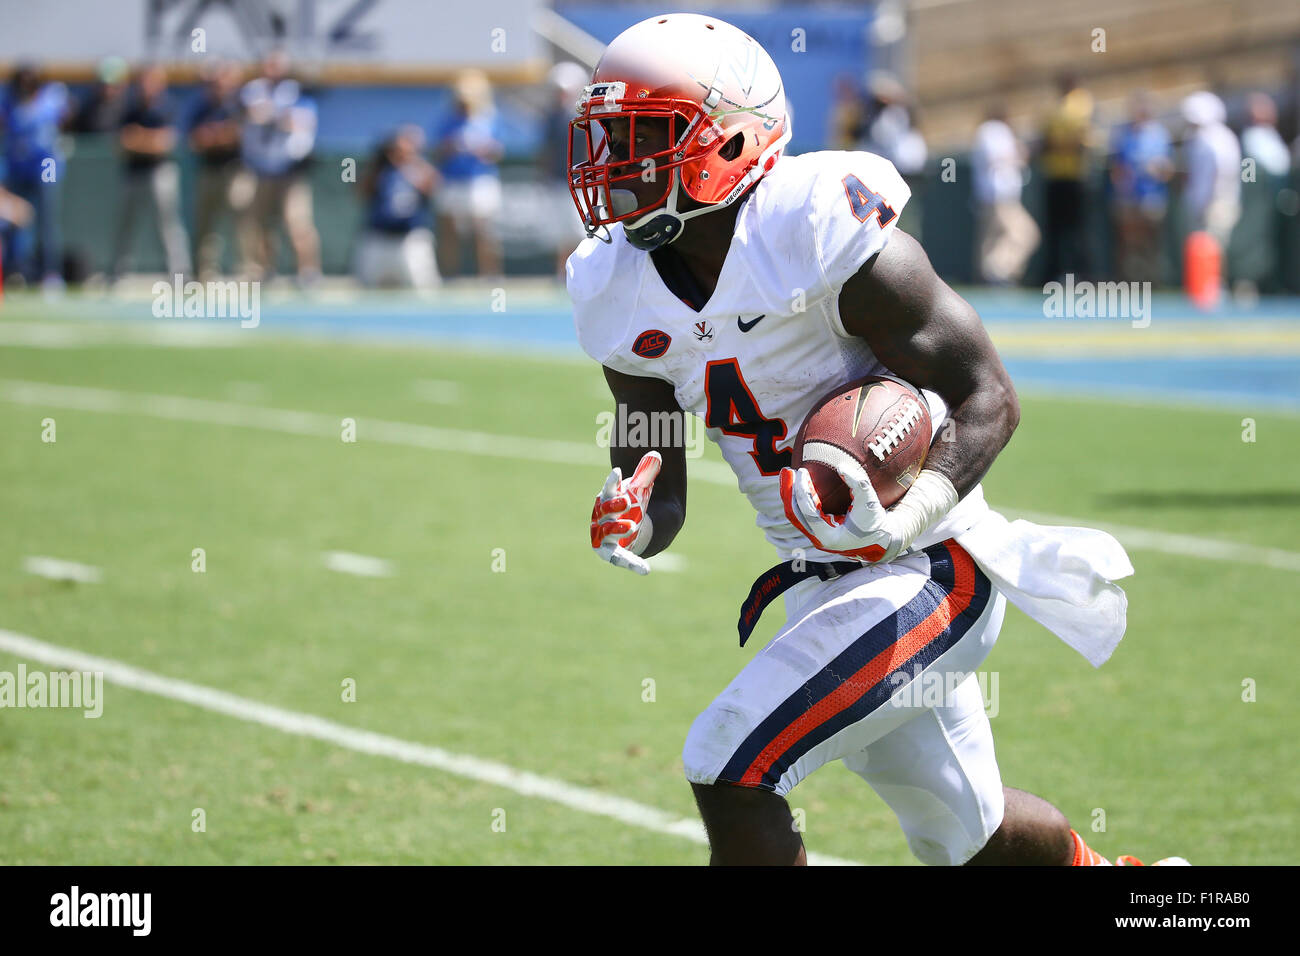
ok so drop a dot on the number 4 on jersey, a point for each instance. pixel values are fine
(732, 409)
(864, 202)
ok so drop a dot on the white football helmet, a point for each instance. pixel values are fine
(724, 103)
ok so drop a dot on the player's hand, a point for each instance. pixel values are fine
(868, 532)
(620, 526)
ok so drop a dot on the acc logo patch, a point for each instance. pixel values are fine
(652, 343)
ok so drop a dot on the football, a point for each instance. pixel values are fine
(881, 423)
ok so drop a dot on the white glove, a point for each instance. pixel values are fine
(868, 532)
(620, 525)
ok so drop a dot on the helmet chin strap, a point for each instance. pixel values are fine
(660, 227)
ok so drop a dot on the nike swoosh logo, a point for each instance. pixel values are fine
(746, 326)
(863, 392)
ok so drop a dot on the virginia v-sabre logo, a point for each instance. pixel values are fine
(132, 910)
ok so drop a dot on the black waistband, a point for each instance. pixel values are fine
(775, 581)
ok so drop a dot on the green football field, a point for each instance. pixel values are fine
(483, 695)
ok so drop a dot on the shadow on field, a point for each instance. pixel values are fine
(1217, 500)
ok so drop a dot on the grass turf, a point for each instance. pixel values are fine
(542, 666)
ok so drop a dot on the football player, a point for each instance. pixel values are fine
(798, 268)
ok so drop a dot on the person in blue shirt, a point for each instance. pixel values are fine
(1140, 167)
(565, 83)
(30, 116)
(396, 248)
(15, 216)
(277, 142)
(467, 149)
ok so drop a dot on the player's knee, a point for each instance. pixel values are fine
(931, 852)
(711, 741)
(728, 803)
(947, 843)
(732, 812)
(951, 832)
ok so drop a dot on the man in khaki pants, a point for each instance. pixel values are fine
(1008, 235)
(224, 186)
(147, 139)
(279, 134)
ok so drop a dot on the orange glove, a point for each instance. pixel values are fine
(620, 526)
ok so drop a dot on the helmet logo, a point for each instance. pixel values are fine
(608, 93)
(744, 68)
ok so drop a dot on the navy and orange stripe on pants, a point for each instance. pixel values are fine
(859, 680)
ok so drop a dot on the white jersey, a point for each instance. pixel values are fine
(769, 342)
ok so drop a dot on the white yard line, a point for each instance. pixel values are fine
(58, 335)
(1144, 539)
(362, 565)
(491, 772)
(667, 561)
(436, 390)
(177, 408)
(58, 570)
(553, 451)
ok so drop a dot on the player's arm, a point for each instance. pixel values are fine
(926, 333)
(930, 336)
(147, 140)
(666, 508)
(422, 175)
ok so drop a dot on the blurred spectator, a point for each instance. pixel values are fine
(467, 148)
(15, 216)
(1261, 232)
(889, 130)
(1212, 196)
(848, 121)
(100, 111)
(14, 210)
(278, 138)
(29, 119)
(1064, 157)
(891, 134)
(224, 187)
(1008, 235)
(565, 84)
(1260, 140)
(147, 138)
(397, 247)
(1140, 167)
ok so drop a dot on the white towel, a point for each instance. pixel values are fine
(1064, 578)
